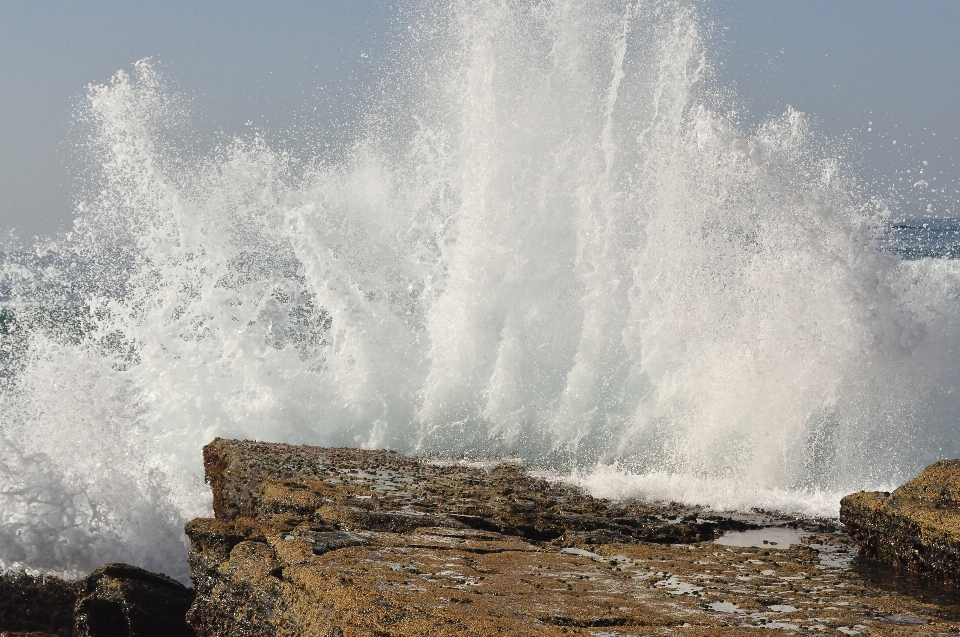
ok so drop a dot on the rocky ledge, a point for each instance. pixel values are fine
(320, 542)
(916, 528)
(314, 542)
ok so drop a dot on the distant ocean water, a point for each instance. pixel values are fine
(924, 238)
(549, 242)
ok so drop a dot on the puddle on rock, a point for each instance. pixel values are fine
(835, 550)
(775, 537)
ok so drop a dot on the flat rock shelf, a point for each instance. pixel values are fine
(316, 542)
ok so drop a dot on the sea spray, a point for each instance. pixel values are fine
(550, 241)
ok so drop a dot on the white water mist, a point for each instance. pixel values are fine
(548, 241)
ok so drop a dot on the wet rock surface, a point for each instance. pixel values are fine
(37, 605)
(384, 491)
(116, 600)
(340, 542)
(916, 528)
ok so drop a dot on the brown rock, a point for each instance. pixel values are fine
(341, 542)
(383, 491)
(116, 600)
(916, 528)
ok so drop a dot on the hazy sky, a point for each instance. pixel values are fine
(896, 64)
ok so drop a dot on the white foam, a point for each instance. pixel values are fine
(548, 242)
(721, 494)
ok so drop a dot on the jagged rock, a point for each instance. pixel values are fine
(118, 600)
(917, 527)
(40, 605)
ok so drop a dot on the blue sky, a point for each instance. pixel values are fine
(852, 63)
(895, 64)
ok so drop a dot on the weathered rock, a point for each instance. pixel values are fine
(37, 604)
(384, 491)
(284, 513)
(118, 600)
(318, 542)
(917, 527)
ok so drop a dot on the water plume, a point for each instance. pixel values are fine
(550, 240)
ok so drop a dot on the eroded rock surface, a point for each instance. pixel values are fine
(338, 542)
(917, 527)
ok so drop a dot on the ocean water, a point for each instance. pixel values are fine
(548, 240)
(923, 238)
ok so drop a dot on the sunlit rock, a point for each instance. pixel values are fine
(917, 527)
(319, 542)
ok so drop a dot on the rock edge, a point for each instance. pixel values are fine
(916, 528)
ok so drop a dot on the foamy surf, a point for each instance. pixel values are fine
(716, 494)
(549, 242)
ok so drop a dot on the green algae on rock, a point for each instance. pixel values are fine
(916, 528)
